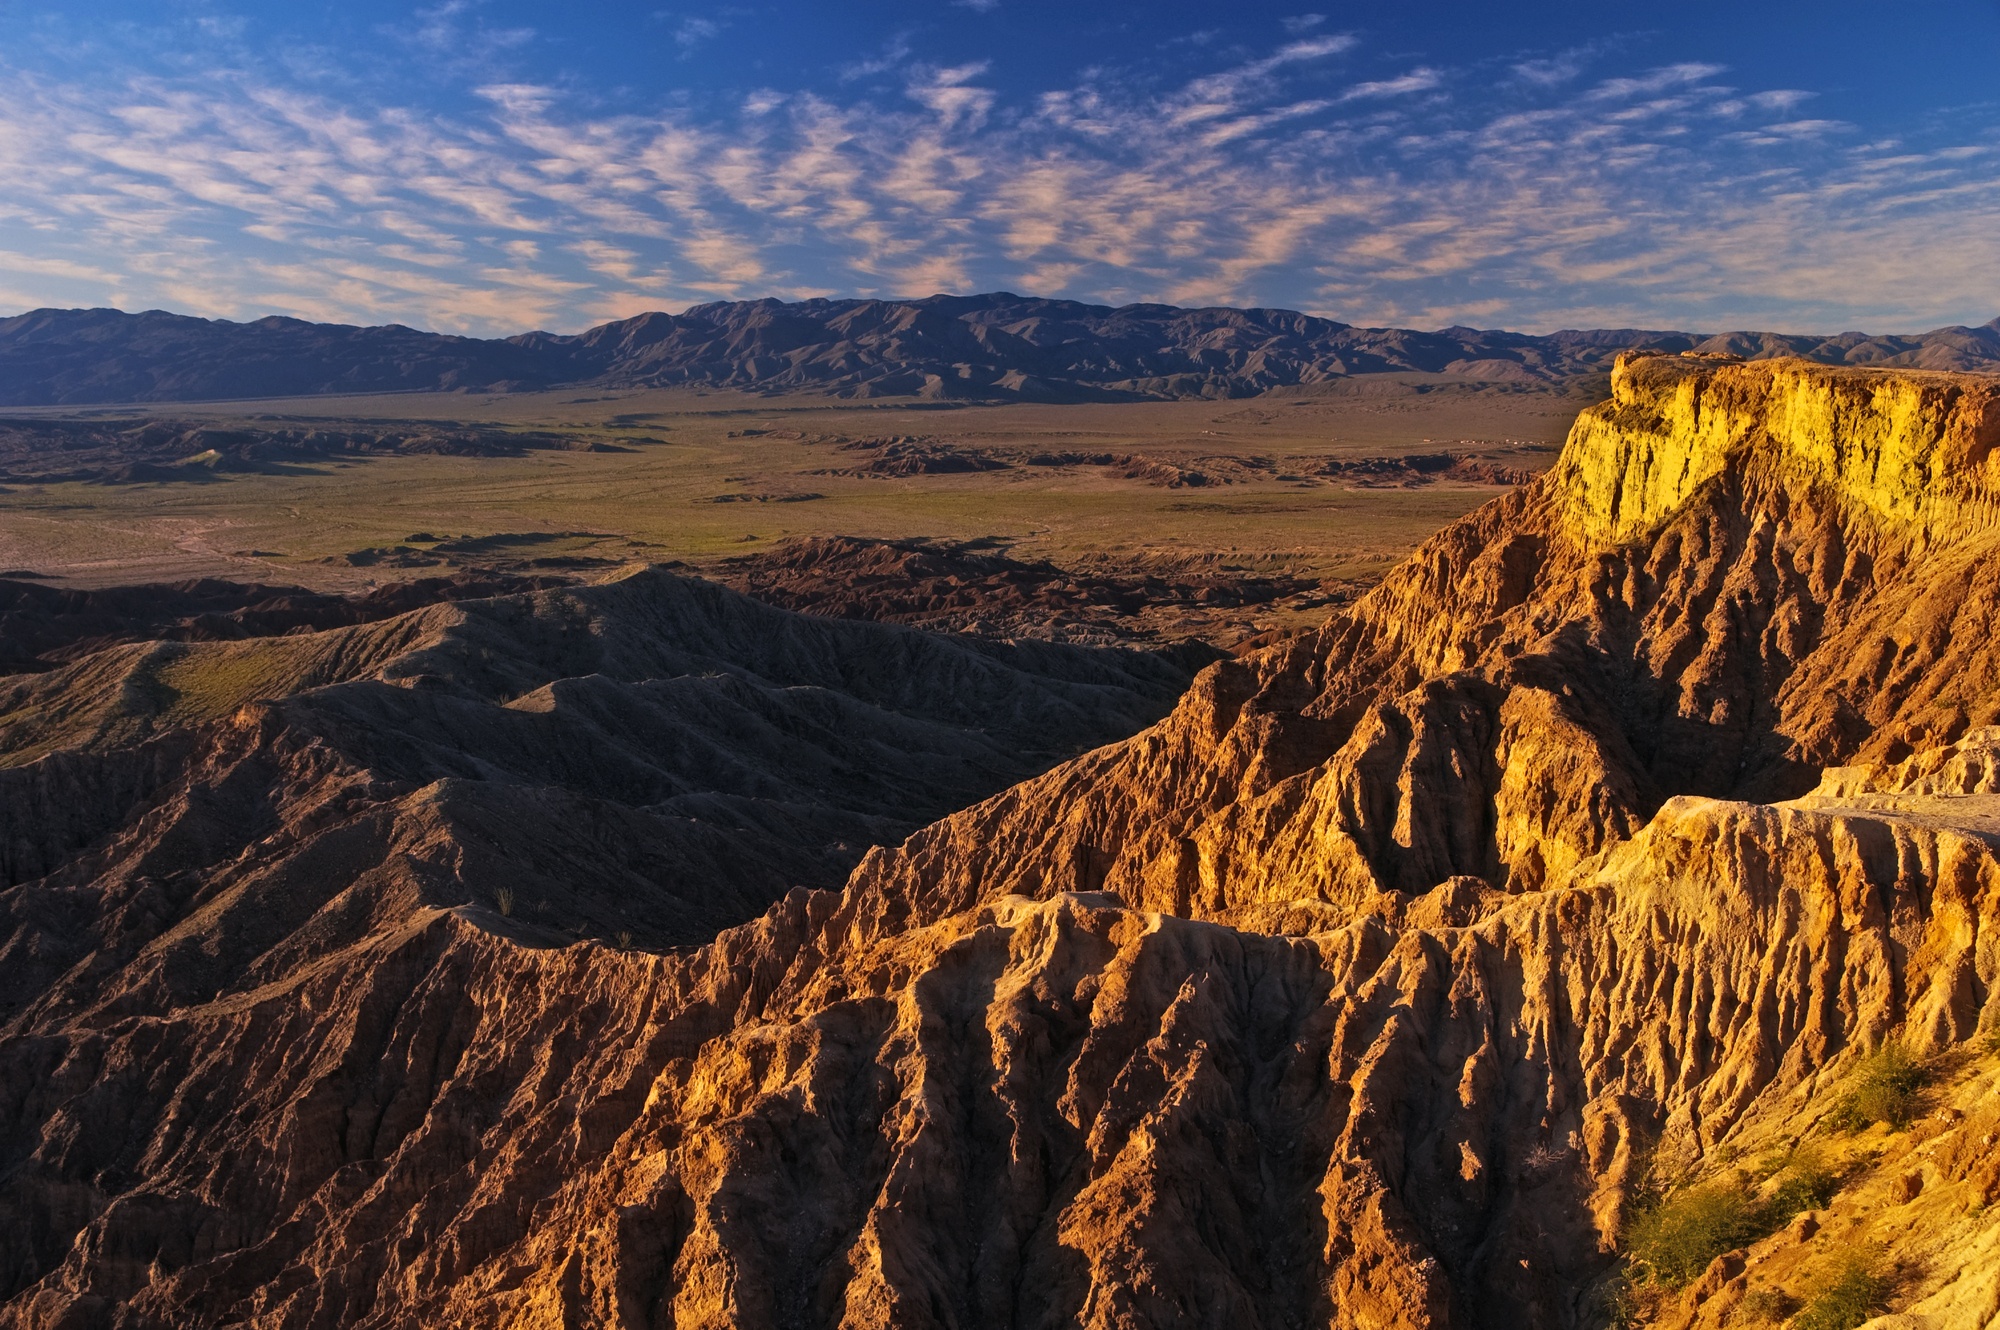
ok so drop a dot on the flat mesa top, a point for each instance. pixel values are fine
(1973, 814)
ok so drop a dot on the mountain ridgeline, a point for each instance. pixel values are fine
(983, 347)
(491, 964)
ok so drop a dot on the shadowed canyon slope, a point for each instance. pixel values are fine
(997, 346)
(692, 752)
(1367, 989)
(42, 626)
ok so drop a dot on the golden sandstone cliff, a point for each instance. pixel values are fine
(1384, 983)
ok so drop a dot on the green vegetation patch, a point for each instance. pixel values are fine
(1674, 1241)
(1884, 1088)
(1677, 1236)
(212, 681)
(1808, 1182)
(1849, 1293)
(1768, 1306)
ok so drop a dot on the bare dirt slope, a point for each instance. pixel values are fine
(1378, 985)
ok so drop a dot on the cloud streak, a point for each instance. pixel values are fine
(1657, 196)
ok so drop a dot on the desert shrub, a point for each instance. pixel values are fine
(1544, 1159)
(1848, 1294)
(1884, 1089)
(1676, 1239)
(1806, 1183)
(1679, 1233)
(1768, 1306)
(504, 898)
(1619, 1306)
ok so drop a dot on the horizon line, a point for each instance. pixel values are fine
(978, 295)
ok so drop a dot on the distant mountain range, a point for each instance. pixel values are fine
(997, 346)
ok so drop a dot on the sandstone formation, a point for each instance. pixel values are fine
(1374, 987)
(997, 346)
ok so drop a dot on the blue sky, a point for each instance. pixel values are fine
(488, 167)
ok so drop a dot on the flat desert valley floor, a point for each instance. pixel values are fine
(1323, 489)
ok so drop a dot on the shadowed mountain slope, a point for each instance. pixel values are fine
(997, 346)
(52, 356)
(1376, 986)
(43, 625)
(676, 700)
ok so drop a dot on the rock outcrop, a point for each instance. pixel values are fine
(968, 588)
(1371, 988)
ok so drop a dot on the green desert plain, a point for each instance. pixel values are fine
(1330, 486)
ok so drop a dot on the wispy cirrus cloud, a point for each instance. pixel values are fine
(1417, 80)
(1656, 196)
(690, 33)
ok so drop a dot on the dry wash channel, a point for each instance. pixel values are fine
(1382, 984)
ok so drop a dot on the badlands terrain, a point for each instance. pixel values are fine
(1586, 920)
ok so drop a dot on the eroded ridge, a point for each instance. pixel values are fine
(1363, 990)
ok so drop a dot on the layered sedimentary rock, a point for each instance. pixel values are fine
(1360, 991)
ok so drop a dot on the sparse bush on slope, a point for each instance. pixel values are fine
(1807, 1183)
(1680, 1233)
(1884, 1089)
(1848, 1294)
(1675, 1240)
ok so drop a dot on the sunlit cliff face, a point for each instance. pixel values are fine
(1913, 448)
